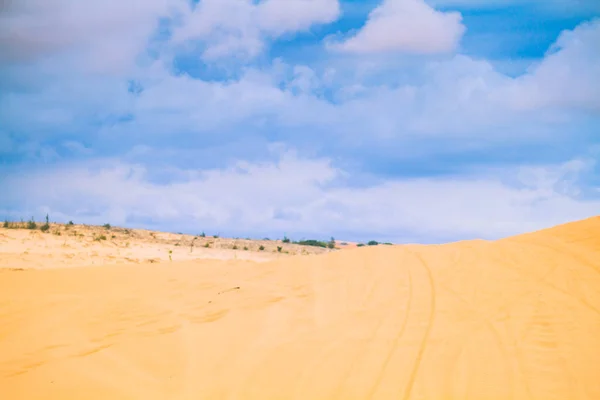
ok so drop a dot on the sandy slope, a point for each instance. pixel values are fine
(513, 319)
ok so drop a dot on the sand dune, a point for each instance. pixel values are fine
(514, 319)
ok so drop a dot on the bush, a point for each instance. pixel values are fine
(70, 223)
(31, 224)
(373, 243)
(6, 224)
(279, 248)
(245, 247)
(46, 226)
(286, 239)
(360, 245)
(234, 247)
(203, 234)
(261, 248)
(101, 237)
(331, 243)
(216, 236)
(312, 242)
(207, 245)
(106, 226)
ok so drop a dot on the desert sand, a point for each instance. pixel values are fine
(517, 318)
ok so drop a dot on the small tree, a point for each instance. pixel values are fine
(286, 239)
(331, 243)
(373, 243)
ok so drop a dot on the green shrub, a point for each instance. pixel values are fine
(6, 224)
(331, 243)
(360, 245)
(106, 226)
(46, 226)
(207, 245)
(70, 223)
(245, 247)
(279, 248)
(312, 242)
(31, 224)
(99, 238)
(286, 239)
(234, 247)
(373, 243)
(261, 248)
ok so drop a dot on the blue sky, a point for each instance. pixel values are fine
(395, 120)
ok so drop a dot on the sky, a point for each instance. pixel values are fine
(393, 120)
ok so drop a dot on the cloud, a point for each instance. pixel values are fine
(308, 196)
(240, 27)
(100, 36)
(566, 77)
(407, 26)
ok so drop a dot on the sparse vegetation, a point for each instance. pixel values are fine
(246, 248)
(106, 226)
(6, 224)
(261, 248)
(216, 236)
(373, 243)
(279, 248)
(234, 247)
(100, 237)
(170, 253)
(70, 223)
(203, 234)
(207, 245)
(286, 239)
(112, 236)
(360, 245)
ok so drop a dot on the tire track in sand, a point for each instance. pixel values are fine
(413, 375)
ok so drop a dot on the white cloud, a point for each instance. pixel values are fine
(299, 195)
(240, 27)
(567, 77)
(102, 36)
(408, 26)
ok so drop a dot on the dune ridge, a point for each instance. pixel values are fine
(517, 318)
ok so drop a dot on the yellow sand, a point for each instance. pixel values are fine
(513, 319)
